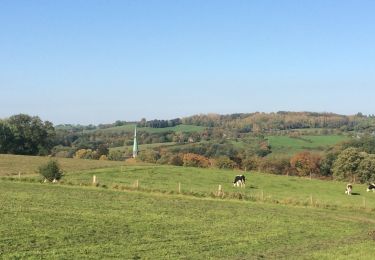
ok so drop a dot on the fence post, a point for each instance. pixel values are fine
(94, 179)
(311, 200)
(137, 184)
(179, 187)
(219, 190)
(19, 175)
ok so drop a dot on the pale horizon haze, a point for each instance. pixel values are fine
(92, 62)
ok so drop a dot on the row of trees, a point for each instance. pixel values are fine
(260, 122)
(159, 123)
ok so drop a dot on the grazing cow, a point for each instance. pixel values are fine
(371, 187)
(349, 189)
(239, 181)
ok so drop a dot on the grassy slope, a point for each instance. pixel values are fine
(82, 222)
(12, 164)
(285, 189)
(288, 145)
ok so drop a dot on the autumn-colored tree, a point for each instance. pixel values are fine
(83, 154)
(195, 160)
(305, 163)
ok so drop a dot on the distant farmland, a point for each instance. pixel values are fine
(289, 145)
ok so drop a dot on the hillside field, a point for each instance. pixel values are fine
(26, 165)
(274, 219)
(285, 145)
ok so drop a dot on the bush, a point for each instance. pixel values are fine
(224, 162)
(195, 160)
(115, 155)
(83, 154)
(51, 171)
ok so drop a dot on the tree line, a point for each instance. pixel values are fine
(27, 135)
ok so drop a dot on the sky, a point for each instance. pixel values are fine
(91, 62)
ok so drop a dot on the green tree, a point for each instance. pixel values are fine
(51, 171)
(6, 137)
(223, 162)
(366, 169)
(346, 164)
(32, 136)
(115, 155)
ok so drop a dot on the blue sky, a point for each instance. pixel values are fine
(98, 61)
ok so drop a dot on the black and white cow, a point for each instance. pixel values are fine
(239, 181)
(371, 187)
(349, 189)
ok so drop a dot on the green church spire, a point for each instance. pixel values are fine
(135, 145)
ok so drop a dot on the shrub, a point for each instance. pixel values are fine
(195, 160)
(51, 171)
(149, 156)
(83, 154)
(176, 160)
(116, 155)
(103, 158)
(250, 163)
(224, 162)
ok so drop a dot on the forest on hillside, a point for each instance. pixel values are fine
(239, 141)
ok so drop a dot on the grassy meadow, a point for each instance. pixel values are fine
(274, 219)
(205, 182)
(28, 165)
(285, 145)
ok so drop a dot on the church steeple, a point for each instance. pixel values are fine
(135, 145)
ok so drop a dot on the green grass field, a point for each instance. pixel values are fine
(288, 146)
(205, 182)
(26, 165)
(52, 221)
(274, 220)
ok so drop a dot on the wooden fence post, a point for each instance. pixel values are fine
(94, 179)
(311, 200)
(19, 175)
(219, 191)
(179, 187)
(137, 184)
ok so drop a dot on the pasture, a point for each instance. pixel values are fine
(57, 221)
(285, 145)
(28, 165)
(273, 217)
(205, 182)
